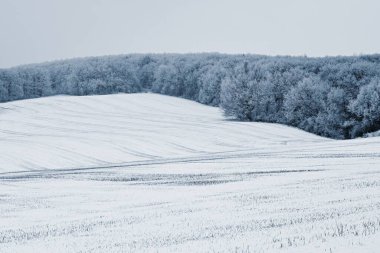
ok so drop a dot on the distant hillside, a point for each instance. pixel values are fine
(337, 97)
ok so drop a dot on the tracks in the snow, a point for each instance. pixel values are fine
(46, 173)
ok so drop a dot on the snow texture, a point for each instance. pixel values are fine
(152, 173)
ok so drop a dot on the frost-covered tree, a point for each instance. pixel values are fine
(210, 85)
(237, 93)
(366, 107)
(304, 103)
(11, 86)
(3, 91)
(331, 121)
(146, 68)
(166, 80)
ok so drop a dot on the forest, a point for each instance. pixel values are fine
(336, 97)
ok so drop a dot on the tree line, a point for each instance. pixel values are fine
(337, 97)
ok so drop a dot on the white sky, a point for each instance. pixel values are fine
(42, 30)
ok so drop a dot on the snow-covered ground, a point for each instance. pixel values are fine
(152, 173)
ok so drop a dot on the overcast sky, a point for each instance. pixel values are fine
(43, 30)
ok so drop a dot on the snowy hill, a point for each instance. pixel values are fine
(152, 173)
(65, 132)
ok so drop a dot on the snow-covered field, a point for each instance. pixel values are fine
(151, 173)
